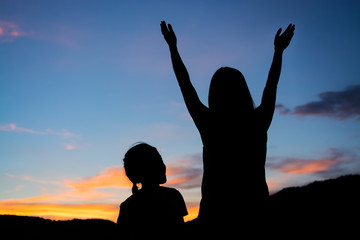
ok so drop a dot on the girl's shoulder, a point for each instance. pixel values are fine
(169, 191)
(175, 201)
(160, 192)
(128, 202)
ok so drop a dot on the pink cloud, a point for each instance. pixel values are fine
(15, 33)
(70, 147)
(12, 127)
(185, 173)
(302, 166)
(9, 31)
(336, 162)
(113, 177)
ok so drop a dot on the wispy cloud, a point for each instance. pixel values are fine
(336, 104)
(63, 134)
(66, 191)
(113, 177)
(282, 109)
(336, 162)
(185, 173)
(9, 31)
(12, 127)
(55, 33)
(32, 179)
(17, 189)
(301, 166)
(70, 147)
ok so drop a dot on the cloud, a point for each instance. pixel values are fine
(336, 104)
(70, 147)
(55, 33)
(69, 190)
(337, 162)
(282, 109)
(300, 166)
(9, 31)
(185, 173)
(64, 134)
(17, 189)
(31, 179)
(113, 177)
(12, 127)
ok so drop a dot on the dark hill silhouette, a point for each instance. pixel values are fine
(321, 209)
(21, 227)
(327, 208)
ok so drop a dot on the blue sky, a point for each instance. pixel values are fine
(81, 81)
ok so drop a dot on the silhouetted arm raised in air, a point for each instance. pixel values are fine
(191, 98)
(267, 106)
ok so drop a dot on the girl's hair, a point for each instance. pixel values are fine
(143, 163)
(228, 91)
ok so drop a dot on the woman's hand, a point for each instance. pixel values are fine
(168, 34)
(282, 41)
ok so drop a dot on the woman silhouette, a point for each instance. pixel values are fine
(234, 136)
(153, 209)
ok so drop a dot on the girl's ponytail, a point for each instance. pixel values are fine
(134, 188)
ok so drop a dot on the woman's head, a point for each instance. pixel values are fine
(143, 164)
(229, 91)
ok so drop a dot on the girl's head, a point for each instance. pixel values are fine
(229, 91)
(143, 164)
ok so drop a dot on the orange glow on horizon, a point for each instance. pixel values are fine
(61, 211)
(192, 214)
(70, 211)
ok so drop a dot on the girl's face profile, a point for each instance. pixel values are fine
(162, 174)
(143, 164)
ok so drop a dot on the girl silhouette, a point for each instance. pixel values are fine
(234, 137)
(153, 209)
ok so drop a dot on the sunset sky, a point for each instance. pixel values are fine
(82, 81)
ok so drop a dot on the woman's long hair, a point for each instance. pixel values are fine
(229, 93)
